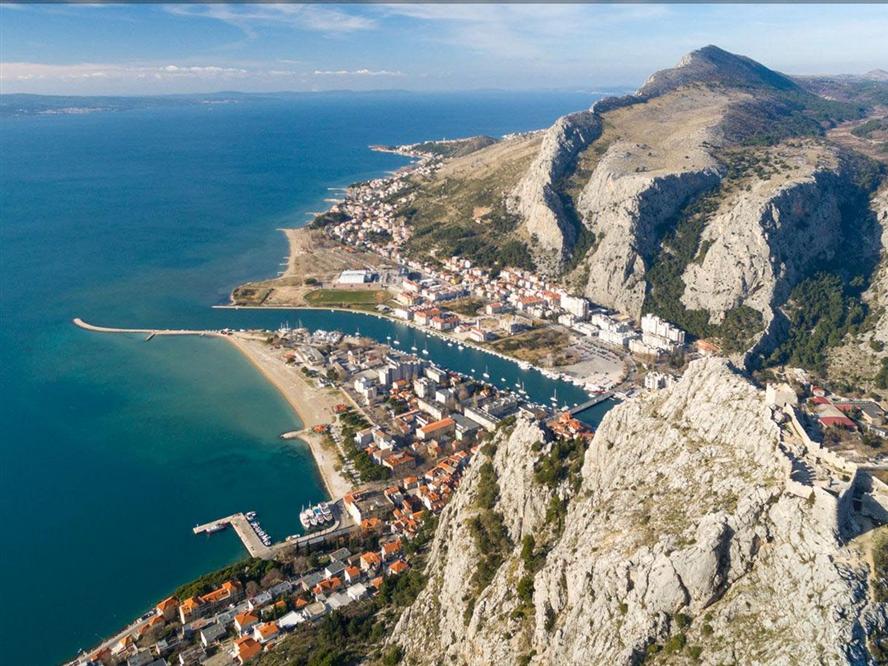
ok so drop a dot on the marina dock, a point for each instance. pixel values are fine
(244, 530)
(341, 526)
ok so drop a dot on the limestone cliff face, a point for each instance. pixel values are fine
(878, 293)
(763, 242)
(686, 527)
(625, 208)
(535, 198)
(631, 164)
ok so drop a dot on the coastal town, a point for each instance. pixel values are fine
(402, 431)
(393, 433)
(507, 310)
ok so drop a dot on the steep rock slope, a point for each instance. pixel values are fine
(763, 240)
(878, 296)
(623, 179)
(535, 198)
(683, 531)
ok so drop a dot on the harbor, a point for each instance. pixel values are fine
(333, 522)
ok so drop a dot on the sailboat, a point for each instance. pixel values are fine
(485, 374)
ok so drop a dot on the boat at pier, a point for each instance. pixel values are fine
(316, 516)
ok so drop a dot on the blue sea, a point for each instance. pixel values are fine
(113, 448)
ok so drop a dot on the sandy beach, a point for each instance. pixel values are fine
(313, 406)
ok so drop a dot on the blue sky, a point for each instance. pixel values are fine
(147, 49)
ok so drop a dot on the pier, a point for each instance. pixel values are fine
(601, 397)
(244, 530)
(342, 526)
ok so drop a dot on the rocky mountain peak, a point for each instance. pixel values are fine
(876, 75)
(713, 65)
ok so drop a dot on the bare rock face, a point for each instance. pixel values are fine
(761, 244)
(685, 532)
(624, 209)
(878, 293)
(535, 198)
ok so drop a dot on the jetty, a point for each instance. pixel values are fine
(591, 402)
(342, 526)
(240, 524)
(148, 332)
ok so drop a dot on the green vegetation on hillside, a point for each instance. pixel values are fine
(251, 569)
(489, 534)
(329, 217)
(680, 246)
(822, 311)
(564, 461)
(455, 148)
(793, 113)
(488, 244)
(881, 378)
(870, 127)
(352, 634)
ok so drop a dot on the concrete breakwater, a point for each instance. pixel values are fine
(80, 323)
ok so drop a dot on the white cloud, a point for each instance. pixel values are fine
(29, 71)
(357, 72)
(318, 18)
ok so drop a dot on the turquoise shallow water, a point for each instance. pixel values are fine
(113, 448)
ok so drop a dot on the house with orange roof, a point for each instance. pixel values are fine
(390, 550)
(168, 607)
(438, 428)
(244, 621)
(398, 567)
(371, 524)
(191, 609)
(352, 574)
(155, 622)
(101, 656)
(327, 586)
(124, 645)
(398, 461)
(369, 560)
(246, 648)
(300, 603)
(376, 583)
(265, 632)
(229, 592)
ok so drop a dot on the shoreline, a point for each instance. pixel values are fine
(310, 410)
(289, 383)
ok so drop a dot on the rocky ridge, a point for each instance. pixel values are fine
(661, 150)
(535, 198)
(697, 525)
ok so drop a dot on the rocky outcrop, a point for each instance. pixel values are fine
(626, 209)
(763, 242)
(877, 296)
(683, 532)
(535, 198)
